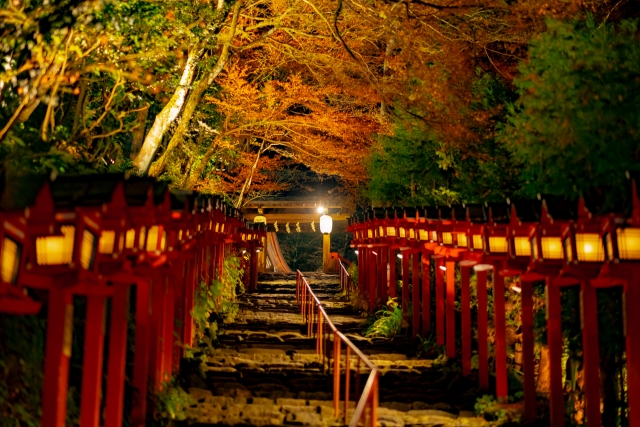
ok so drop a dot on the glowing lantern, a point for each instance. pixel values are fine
(326, 224)
(551, 248)
(11, 252)
(107, 242)
(447, 238)
(56, 250)
(497, 244)
(522, 246)
(628, 243)
(477, 242)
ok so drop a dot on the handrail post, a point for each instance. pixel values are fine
(336, 374)
(319, 333)
(374, 402)
(346, 384)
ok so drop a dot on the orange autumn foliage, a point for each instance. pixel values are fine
(294, 121)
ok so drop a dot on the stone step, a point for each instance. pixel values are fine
(268, 372)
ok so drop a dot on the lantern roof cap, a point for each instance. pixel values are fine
(561, 209)
(431, 213)
(527, 210)
(459, 212)
(160, 189)
(69, 191)
(19, 191)
(379, 213)
(136, 190)
(446, 213)
(410, 212)
(181, 199)
(499, 213)
(398, 213)
(477, 212)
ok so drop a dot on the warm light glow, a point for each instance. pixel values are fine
(477, 241)
(497, 244)
(400, 256)
(522, 246)
(447, 238)
(462, 240)
(152, 238)
(217, 227)
(163, 241)
(88, 250)
(56, 250)
(551, 248)
(258, 219)
(10, 261)
(142, 237)
(443, 268)
(628, 243)
(130, 239)
(391, 232)
(320, 209)
(412, 233)
(434, 236)
(375, 253)
(369, 233)
(403, 232)
(381, 231)
(107, 242)
(424, 235)
(516, 289)
(590, 247)
(326, 224)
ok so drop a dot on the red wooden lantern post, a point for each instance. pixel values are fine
(473, 225)
(391, 233)
(14, 236)
(621, 238)
(62, 259)
(547, 260)
(525, 216)
(429, 219)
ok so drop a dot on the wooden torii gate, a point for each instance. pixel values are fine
(293, 215)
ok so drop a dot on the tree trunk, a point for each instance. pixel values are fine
(196, 97)
(195, 175)
(247, 182)
(387, 54)
(138, 132)
(168, 115)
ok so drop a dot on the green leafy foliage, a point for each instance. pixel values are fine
(171, 403)
(576, 126)
(387, 322)
(411, 167)
(498, 412)
(216, 303)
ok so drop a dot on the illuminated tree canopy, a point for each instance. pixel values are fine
(413, 102)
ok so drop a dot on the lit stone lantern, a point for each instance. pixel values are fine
(326, 225)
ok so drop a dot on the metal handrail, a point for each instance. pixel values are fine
(346, 282)
(314, 314)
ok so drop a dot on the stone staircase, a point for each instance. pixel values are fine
(267, 372)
